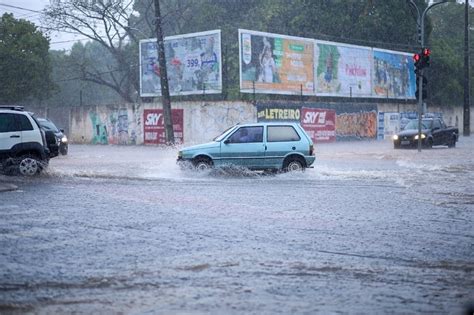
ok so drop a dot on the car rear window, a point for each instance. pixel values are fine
(282, 134)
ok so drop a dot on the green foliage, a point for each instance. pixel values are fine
(24, 61)
(446, 73)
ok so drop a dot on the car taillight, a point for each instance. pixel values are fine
(311, 149)
(43, 137)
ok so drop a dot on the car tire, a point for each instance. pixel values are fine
(63, 150)
(293, 164)
(202, 164)
(429, 143)
(452, 143)
(29, 165)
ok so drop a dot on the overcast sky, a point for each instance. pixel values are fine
(58, 40)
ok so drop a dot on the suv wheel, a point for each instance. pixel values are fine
(29, 165)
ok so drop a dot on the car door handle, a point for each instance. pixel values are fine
(15, 136)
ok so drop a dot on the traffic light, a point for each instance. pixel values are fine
(425, 56)
(416, 61)
(422, 60)
(424, 95)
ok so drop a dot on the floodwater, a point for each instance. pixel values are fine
(115, 229)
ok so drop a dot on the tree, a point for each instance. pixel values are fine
(445, 74)
(67, 75)
(104, 22)
(24, 61)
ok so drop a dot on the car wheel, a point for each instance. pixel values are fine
(293, 165)
(202, 164)
(429, 143)
(29, 165)
(63, 150)
(452, 143)
(8, 167)
(396, 146)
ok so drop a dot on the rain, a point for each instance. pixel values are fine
(114, 224)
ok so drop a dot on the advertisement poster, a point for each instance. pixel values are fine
(343, 70)
(193, 61)
(154, 126)
(319, 124)
(278, 112)
(276, 64)
(393, 75)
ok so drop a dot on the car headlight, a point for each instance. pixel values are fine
(395, 137)
(64, 139)
(423, 136)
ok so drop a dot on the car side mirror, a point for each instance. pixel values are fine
(227, 141)
(62, 130)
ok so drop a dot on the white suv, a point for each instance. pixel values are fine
(22, 142)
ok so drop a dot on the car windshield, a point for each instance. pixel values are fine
(413, 124)
(46, 124)
(222, 135)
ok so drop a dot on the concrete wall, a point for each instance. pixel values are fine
(202, 121)
(123, 124)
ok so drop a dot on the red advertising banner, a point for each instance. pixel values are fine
(320, 124)
(154, 126)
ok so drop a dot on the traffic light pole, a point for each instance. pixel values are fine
(420, 21)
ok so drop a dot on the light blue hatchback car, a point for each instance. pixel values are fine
(257, 146)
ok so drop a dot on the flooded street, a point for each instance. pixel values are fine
(115, 229)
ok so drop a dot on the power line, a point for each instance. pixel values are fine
(19, 8)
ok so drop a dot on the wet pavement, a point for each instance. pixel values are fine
(122, 229)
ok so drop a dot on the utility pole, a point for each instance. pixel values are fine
(467, 105)
(420, 22)
(165, 91)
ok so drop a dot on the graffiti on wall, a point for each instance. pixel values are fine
(359, 125)
(111, 127)
(99, 129)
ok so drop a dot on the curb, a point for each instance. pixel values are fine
(7, 187)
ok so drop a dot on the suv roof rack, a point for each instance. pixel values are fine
(12, 107)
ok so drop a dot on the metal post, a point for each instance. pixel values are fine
(253, 87)
(420, 21)
(467, 103)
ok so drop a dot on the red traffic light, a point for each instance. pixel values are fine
(416, 58)
(426, 52)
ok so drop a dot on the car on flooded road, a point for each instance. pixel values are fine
(256, 146)
(433, 132)
(57, 140)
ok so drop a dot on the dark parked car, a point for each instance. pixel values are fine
(433, 132)
(55, 138)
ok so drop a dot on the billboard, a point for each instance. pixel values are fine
(194, 64)
(319, 123)
(393, 75)
(154, 126)
(343, 70)
(276, 64)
